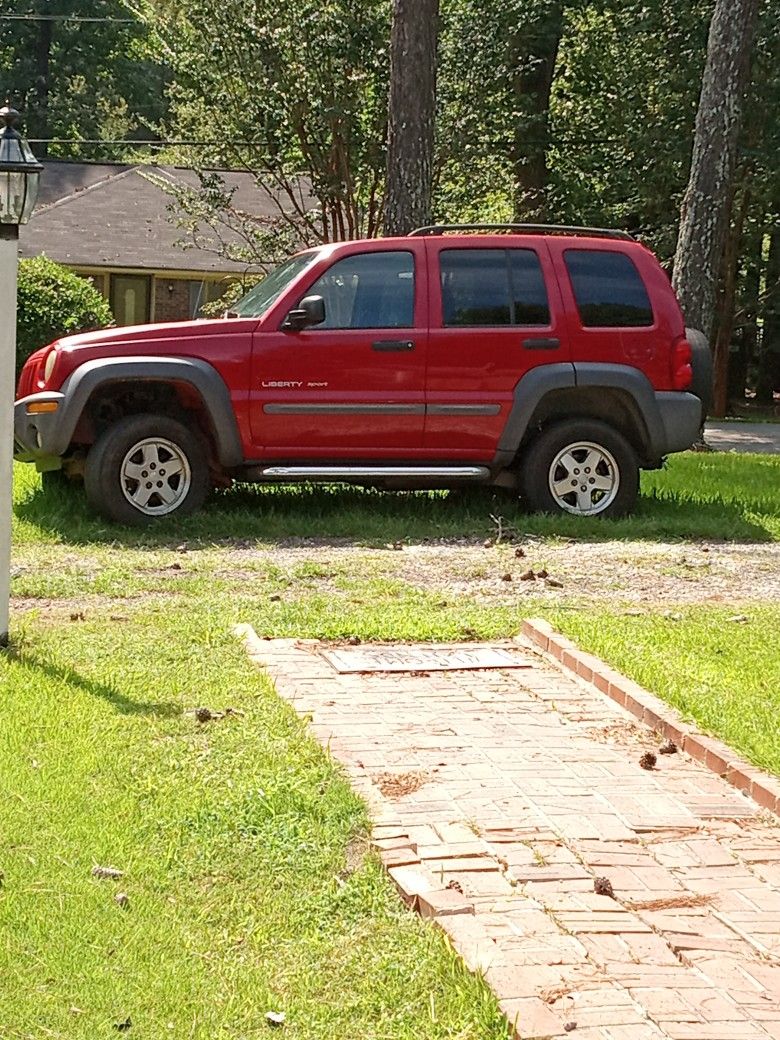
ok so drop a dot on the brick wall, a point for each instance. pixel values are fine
(173, 305)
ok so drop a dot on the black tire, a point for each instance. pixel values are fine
(109, 490)
(617, 466)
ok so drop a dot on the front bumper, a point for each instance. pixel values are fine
(38, 437)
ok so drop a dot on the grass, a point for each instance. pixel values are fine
(233, 837)
(722, 673)
(238, 839)
(713, 496)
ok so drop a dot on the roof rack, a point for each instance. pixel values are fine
(527, 229)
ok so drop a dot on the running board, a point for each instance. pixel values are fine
(373, 472)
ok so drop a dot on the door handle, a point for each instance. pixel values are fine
(392, 344)
(541, 344)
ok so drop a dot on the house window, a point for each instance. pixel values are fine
(204, 293)
(130, 298)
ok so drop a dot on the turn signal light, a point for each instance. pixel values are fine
(36, 407)
(682, 372)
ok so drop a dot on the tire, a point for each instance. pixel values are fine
(550, 467)
(123, 467)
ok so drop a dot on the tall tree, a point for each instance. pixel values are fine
(706, 206)
(411, 115)
(533, 54)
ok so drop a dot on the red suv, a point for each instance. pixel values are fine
(551, 360)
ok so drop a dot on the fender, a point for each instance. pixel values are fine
(540, 381)
(528, 393)
(638, 387)
(80, 384)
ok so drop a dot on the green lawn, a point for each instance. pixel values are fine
(722, 673)
(239, 840)
(233, 837)
(695, 496)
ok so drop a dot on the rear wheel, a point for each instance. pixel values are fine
(146, 467)
(583, 467)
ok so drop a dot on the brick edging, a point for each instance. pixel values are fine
(655, 713)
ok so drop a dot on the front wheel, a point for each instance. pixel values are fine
(583, 467)
(145, 467)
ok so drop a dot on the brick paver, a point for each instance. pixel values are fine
(523, 787)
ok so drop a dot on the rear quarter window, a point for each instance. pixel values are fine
(608, 289)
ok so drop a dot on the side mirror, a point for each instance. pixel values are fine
(310, 311)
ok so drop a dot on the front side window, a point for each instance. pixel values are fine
(608, 289)
(368, 291)
(492, 287)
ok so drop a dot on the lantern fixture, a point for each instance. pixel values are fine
(20, 172)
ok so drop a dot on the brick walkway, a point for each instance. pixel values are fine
(500, 795)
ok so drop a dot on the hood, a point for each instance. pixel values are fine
(127, 335)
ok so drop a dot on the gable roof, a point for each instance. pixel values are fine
(101, 215)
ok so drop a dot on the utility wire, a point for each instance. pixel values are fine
(64, 18)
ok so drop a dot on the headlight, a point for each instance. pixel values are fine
(48, 368)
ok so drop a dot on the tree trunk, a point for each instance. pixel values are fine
(533, 55)
(411, 115)
(769, 363)
(42, 60)
(725, 332)
(704, 217)
(748, 325)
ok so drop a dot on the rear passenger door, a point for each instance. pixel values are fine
(495, 314)
(610, 317)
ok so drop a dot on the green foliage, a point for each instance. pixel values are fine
(81, 79)
(286, 89)
(53, 301)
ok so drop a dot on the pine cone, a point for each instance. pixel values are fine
(602, 886)
(648, 760)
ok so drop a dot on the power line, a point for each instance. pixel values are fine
(64, 18)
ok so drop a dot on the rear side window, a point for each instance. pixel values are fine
(608, 289)
(492, 287)
(368, 291)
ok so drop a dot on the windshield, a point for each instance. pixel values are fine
(261, 296)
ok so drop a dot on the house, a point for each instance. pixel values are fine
(112, 223)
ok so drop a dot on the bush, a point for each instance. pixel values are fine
(52, 302)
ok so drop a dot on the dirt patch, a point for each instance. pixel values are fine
(625, 733)
(685, 902)
(396, 785)
(631, 573)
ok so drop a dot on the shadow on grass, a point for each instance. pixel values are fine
(121, 703)
(341, 514)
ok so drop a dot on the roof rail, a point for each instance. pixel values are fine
(527, 229)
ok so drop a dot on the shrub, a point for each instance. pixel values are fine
(52, 302)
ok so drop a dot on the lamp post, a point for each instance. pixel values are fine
(20, 174)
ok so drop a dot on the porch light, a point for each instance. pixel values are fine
(20, 172)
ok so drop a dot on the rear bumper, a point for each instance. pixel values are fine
(681, 418)
(38, 437)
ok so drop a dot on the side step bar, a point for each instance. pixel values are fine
(372, 472)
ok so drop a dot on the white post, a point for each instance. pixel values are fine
(9, 234)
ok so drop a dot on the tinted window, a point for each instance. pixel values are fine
(368, 291)
(608, 289)
(492, 287)
(529, 293)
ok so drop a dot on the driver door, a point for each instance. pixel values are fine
(353, 385)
